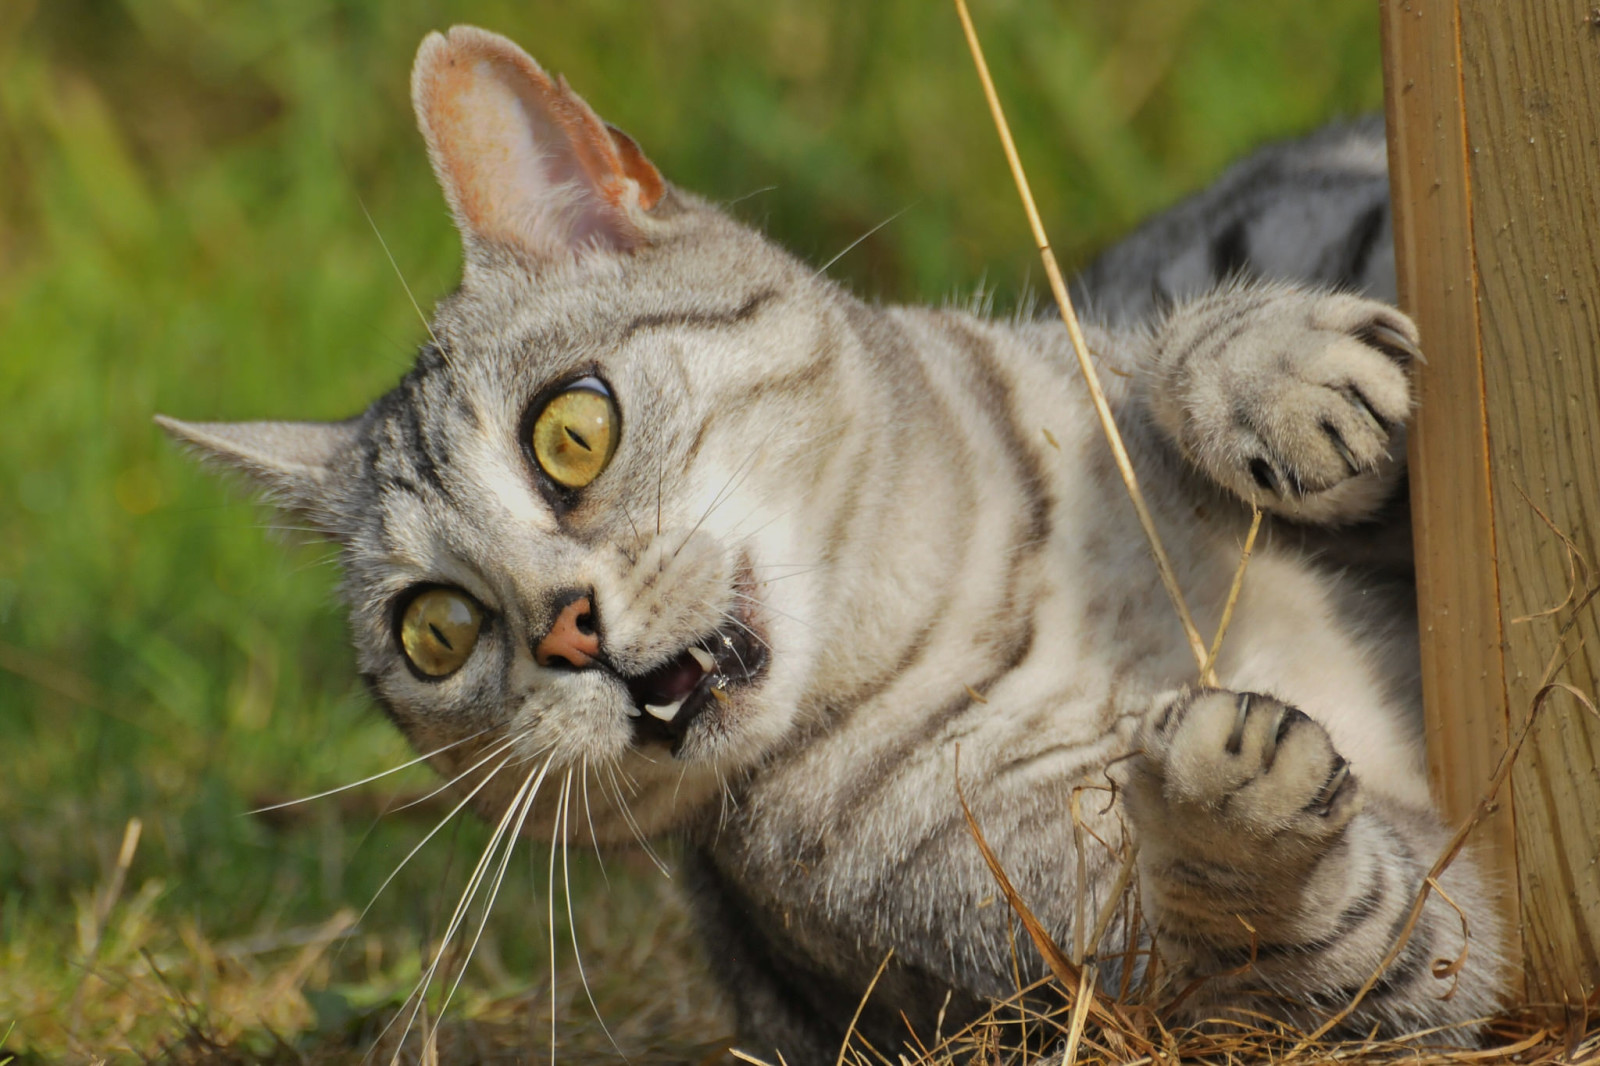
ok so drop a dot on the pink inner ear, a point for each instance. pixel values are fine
(523, 160)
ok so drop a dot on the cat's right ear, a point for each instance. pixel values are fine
(527, 167)
(294, 464)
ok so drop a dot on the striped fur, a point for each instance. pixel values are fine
(913, 515)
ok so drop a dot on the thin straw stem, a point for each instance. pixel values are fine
(1208, 671)
(1058, 288)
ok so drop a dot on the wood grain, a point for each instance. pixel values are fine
(1495, 132)
(1532, 103)
(1458, 602)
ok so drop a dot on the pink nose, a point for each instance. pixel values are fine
(572, 638)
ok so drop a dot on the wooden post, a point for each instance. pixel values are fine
(1494, 143)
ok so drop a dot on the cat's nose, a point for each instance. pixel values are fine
(574, 637)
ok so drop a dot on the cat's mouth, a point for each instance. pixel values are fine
(706, 673)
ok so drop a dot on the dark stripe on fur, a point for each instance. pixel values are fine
(707, 319)
(1230, 252)
(1239, 318)
(881, 775)
(1363, 242)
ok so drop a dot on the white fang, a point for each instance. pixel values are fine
(667, 713)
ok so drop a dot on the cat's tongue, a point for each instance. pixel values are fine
(667, 683)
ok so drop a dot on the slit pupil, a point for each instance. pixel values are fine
(440, 637)
(576, 439)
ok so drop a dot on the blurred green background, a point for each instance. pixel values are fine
(181, 230)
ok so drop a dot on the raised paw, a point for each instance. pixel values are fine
(1292, 399)
(1239, 767)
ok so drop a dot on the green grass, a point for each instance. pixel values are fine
(181, 230)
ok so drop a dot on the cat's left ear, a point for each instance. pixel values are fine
(526, 165)
(294, 464)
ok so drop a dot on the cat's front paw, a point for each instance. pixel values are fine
(1238, 771)
(1292, 399)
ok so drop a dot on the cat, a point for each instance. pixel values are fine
(664, 519)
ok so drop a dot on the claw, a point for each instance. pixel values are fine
(1360, 403)
(1236, 738)
(1342, 448)
(1279, 728)
(1266, 477)
(1391, 342)
(1322, 805)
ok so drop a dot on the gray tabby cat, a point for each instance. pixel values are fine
(665, 519)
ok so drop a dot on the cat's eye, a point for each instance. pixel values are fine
(576, 433)
(438, 630)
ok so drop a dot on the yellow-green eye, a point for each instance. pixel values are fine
(438, 630)
(576, 434)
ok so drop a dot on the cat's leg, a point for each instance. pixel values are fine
(1268, 871)
(1289, 397)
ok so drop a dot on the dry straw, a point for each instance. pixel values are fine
(1080, 348)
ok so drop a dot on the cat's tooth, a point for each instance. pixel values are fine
(667, 713)
(634, 712)
(703, 657)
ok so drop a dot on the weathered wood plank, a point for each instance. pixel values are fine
(1495, 133)
(1457, 599)
(1532, 104)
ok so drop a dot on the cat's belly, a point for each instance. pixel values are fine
(857, 841)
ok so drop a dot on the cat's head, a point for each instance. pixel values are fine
(593, 524)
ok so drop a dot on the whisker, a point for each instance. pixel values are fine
(450, 783)
(683, 773)
(499, 877)
(638, 541)
(430, 835)
(765, 606)
(823, 269)
(572, 925)
(729, 487)
(797, 571)
(367, 780)
(419, 994)
(469, 893)
(746, 196)
(443, 354)
(550, 916)
(632, 823)
(588, 816)
(716, 620)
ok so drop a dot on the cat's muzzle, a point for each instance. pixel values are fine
(698, 679)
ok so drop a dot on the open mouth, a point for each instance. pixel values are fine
(667, 699)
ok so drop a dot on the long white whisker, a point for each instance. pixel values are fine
(746, 196)
(588, 816)
(729, 487)
(572, 925)
(823, 269)
(367, 780)
(683, 773)
(526, 799)
(765, 606)
(632, 824)
(419, 993)
(464, 903)
(499, 747)
(550, 917)
(443, 354)
(431, 834)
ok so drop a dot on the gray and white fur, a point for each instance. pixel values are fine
(892, 533)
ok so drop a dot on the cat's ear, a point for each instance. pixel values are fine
(526, 165)
(295, 464)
